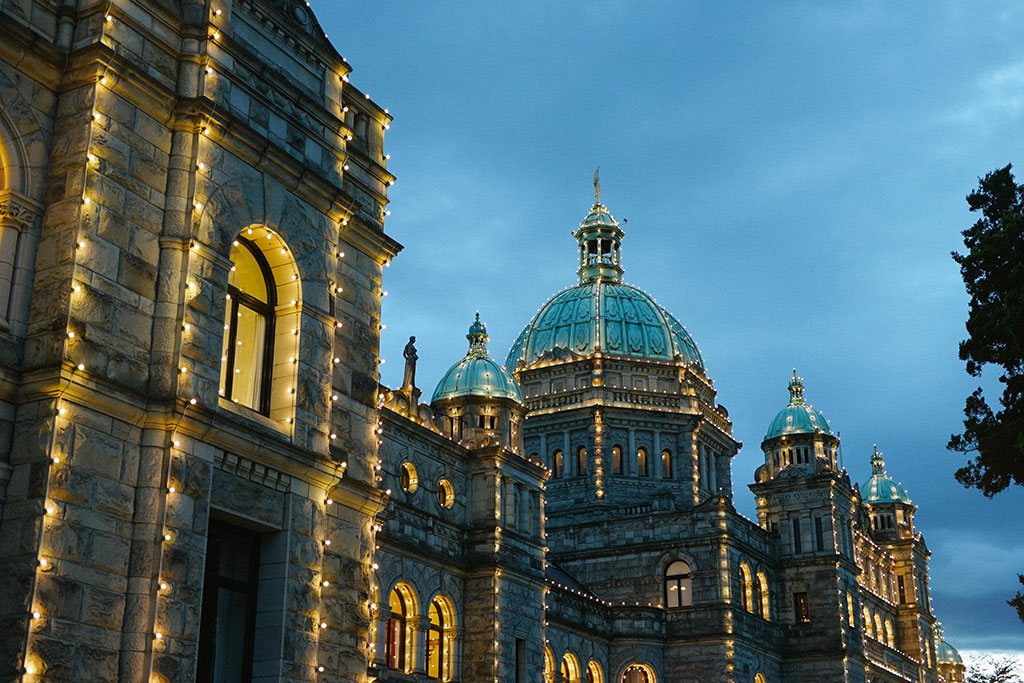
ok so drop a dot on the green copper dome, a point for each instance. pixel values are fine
(602, 313)
(799, 417)
(611, 317)
(477, 374)
(881, 488)
(944, 652)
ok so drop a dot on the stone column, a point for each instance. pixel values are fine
(629, 459)
(656, 456)
(419, 666)
(18, 237)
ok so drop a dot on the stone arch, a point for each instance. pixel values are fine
(637, 672)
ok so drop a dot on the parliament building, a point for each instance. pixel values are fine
(203, 479)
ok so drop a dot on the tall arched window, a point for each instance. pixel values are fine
(890, 634)
(439, 636)
(746, 587)
(851, 610)
(398, 644)
(641, 462)
(638, 673)
(678, 585)
(760, 678)
(879, 629)
(868, 629)
(666, 464)
(581, 461)
(766, 602)
(557, 464)
(595, 674)
(247, 360)
(570, 668)
(549, 665)
(616, 459)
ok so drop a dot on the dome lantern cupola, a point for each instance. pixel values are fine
(799, 437)
(600, 240)
(888, 505)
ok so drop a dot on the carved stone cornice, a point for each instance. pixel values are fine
(18, 211)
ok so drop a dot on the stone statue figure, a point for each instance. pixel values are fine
(410, 364)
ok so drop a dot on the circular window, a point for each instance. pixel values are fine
(410, 481)
(445, 494)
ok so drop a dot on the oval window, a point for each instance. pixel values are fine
(445, 494)
(410, 481)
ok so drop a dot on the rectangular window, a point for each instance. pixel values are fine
(801, 608)
(227, 622)
(798, 546)
(520, 660)
(819, 534)
(901, 588)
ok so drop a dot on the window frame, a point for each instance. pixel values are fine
(267, 309)
(683, 584)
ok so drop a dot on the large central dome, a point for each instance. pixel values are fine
(611, 317)
(602, 313)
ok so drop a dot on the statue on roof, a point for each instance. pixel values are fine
(409, 382)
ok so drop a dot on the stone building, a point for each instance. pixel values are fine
(202, 479)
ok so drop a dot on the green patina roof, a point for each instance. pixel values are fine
(881, 488)
(477, 374)
(944, 652)
(611, 317)
(799, 417)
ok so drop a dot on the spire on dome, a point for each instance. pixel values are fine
(600, 241)
(796, 390)
(877, 461)
(478, 337)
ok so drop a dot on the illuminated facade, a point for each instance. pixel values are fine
(202, 479)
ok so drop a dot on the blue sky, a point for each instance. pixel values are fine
(793, 175)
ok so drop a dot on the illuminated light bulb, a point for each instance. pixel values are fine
(158, 635)
(336, 360)
(96, 117)
(216, 35)
(383, 326)
(387, 156)
(56, 459)
(36, 614)
(108, 18)
(219, 12)
(325, 583)
(334, 436)
(209, 70)
(338, 324)
(294, 331)
(183, 369)
(43, 563)
(81, 366)
(384, 293)
(327, 541)
(288, 420)
(323, 624)
(164, 585)
(235, 243)
(291, 390)
(86, 201)
(205, 131)
(171, 489)
(199, 206)
(291, 360)
(103, 80)
(330, 501)
(201, 166)
(167, 537)
(320, 669)
(387, 492)
(339, 290)
(192, 401)
(248, 231)
(346, 167)
(92, 158)
(71, 334)
(30, 670)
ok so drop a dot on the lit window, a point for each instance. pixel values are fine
(666, 464)
(746, 587)
(868, 629)
(638, 673)
(410, 480)
(557, 465)
(248, 350)
(766, 603)
(641, 462)
(616, 459)
(678, 585)
(760, 678)
(549, 665)
(581, 461)
(890, 635)
(570, 668)
(445, 494)
(439, 634)
(401, 627)
(594, 672)
(851, 610)
(801, 608)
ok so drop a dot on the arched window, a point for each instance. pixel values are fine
(439, 637)
(638, 673)
(549, 665)
(851, 610)
(247, 360)
(866, 614)
(641, 462)
(570, 668)
(401, 627)
(678, 585)
(746, 587)
(594, 672)
(879, 629)
(557, 465)
(616, 459)
(760, 678)
(581, 461)
(766, 602)
(890, 634)
(666, 464)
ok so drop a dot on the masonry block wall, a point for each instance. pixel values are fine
(138, 141)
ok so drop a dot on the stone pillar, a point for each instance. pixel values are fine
(629, 459)
(656, 456)
(419, 666)
(18, 237)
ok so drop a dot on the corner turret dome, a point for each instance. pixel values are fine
(477, 374)
(799, 417)
(881, 488)
(602, 314)
(944, 652)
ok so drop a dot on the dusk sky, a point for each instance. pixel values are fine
(793, 175)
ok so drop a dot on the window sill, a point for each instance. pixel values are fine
(253, 416)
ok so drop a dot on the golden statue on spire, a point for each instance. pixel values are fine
(597, 186)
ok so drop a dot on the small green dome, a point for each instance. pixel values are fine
(944, 652)
(611, 317)
(799, 417)
(881, 488)
(477, 374)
